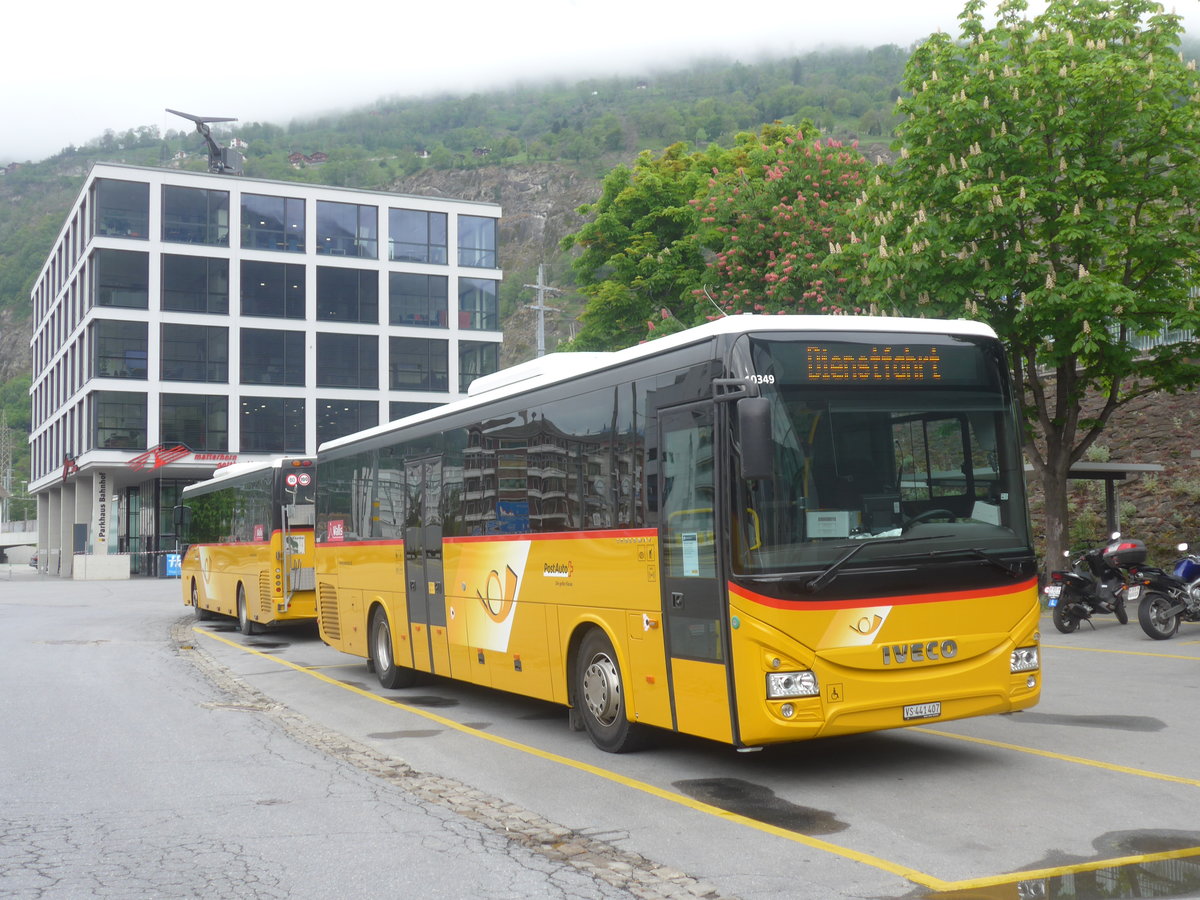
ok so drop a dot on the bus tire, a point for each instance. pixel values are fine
(202, 614)
(383, 656)
(600, 696)
(245, 623)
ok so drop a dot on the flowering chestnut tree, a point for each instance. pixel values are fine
(746, 228)
(1047, 184)
(771, 218)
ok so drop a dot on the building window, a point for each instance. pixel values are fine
(272, 425)
(338, 418)
(348, 360)
(272, 223)
(476, 358)
(415, 364)
(119, 349)
(478, 307)
(122, 278)
(121, 208)
(347, 295)
(195, 216)
(417, 236)
(195, 353)
(477, 242)
(399, 409)
(118, 420)
(272, 357)
(198, 422)
(273, 289)
(347, 229)
(195, 284)
(420, 300)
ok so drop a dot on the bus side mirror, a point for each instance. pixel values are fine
(183, 518)
(754, 435)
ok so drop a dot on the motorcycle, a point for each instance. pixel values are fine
(1169, 598)
(1094, 584)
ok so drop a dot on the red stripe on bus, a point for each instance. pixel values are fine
(903, 600)
(556, 536)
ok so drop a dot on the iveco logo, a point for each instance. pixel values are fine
(922, 651)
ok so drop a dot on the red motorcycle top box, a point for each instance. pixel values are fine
(1125, 552)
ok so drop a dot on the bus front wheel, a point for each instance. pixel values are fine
(600, 696)
(383, 657)
(202, 614)
(245, 623)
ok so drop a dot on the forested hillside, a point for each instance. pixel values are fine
(540, 151)
(588, 126)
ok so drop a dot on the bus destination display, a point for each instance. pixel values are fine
(902, 363)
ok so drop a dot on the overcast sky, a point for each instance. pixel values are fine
(73, 69)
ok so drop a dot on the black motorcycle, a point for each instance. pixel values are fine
(1095, 584)
(1169, 598)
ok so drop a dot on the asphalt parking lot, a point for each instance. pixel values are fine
(1090, 794)
(1092, 786)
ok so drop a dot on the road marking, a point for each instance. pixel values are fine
(1123, 652)
(921, 878)
(1062, 757)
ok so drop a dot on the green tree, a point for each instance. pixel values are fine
(1047, 184)
(639, 253)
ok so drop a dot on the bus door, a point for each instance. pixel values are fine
(423, 567)
(298, 573)
(692, 596)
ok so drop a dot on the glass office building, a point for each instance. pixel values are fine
(188, 320)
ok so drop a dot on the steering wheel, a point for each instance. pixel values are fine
(929, 514)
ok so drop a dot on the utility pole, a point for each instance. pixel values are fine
(540, 306)
(5, 465)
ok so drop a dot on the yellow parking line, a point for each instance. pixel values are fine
(917, 877)
(1123, 652)
(1062, 757)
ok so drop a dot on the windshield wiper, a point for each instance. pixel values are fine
(1011, 570)
(831, 571)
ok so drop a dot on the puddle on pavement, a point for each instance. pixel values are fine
(1161, 878)
(544, 715)
(1115, 723)
(761, 804)
(428, 701)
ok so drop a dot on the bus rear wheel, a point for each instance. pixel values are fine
(383, 657)
(600, 696)
(245, 623)
(202, 614)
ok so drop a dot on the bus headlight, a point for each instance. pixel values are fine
(792, 684)
(1024, 659)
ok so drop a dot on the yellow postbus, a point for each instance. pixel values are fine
(249, 543)
(763, 529)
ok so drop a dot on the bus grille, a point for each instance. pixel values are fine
(265, 608)
(327, 611)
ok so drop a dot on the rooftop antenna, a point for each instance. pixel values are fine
(221, 160)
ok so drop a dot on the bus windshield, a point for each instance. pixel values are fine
(905, 445)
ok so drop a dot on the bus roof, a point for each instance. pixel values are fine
(235, 470)
(556, 367)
